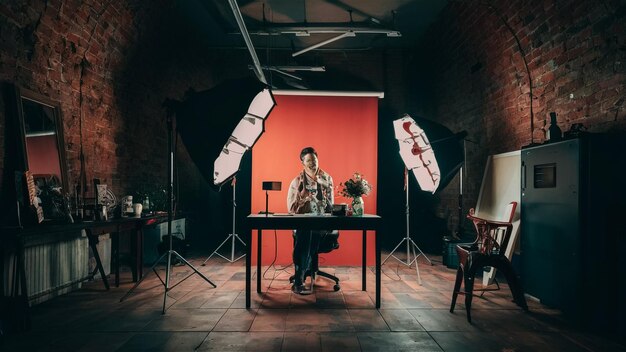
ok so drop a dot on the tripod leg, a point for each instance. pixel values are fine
(421, 253)
(217, 249)
(193, 268)
(144, 277)
(168, 268)
(417, 269)
(393, 251)
(240, 240)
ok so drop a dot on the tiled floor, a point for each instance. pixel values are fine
(413, 317)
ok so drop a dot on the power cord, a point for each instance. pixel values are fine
(272, 265)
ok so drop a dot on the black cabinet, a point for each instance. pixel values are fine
(573, 207)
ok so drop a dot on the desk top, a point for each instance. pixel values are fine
(313, 222)
(56, 231)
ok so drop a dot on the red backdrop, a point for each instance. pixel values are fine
(344, 131)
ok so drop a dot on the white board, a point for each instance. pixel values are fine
(500, 186)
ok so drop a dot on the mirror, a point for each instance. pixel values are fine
(43, 149)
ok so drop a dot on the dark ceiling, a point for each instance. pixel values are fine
(408, 17)
(289, 26)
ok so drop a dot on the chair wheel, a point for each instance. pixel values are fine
(336, 287)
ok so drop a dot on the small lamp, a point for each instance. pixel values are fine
(270, 186)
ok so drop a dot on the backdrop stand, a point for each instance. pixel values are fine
(231, 236)
(412, 248)
(170, 210)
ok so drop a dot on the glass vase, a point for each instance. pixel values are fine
(357, 206)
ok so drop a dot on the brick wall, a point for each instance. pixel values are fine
(476, 78)
(110, 65)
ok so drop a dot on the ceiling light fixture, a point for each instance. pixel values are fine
(327, 41)
(296, 68)
(307, 30)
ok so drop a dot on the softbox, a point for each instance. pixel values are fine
(429, 150)
(220, 124)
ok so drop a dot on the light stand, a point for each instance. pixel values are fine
(462, 172)
(411, 246)
(231, 236)
(170, 209)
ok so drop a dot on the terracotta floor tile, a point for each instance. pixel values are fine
(319, 320)
(412, 317)
(236, 319)
(301, 342)
(270, 320)
(367, 320)
(397, 341)
(240, 341)
(400, 320)
(339, 341)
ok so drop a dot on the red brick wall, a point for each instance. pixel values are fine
(476, 79)
(110, 65)
(468, 74)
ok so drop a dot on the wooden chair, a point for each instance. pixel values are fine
(487, 250)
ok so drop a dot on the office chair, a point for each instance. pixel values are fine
(485, 251)
(328, 243)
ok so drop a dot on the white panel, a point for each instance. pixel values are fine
(500, 186)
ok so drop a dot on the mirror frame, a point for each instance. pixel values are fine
(20, 94)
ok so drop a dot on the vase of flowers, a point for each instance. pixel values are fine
(356, 188)
(358, 206)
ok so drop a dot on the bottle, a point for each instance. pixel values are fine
(554, 132)
(146, 205)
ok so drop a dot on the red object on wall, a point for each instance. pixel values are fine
(344, 131)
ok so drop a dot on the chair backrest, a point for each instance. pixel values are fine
(329, 242)
(492, 236)
(509, 212)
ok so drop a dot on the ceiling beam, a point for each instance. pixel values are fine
(246, 37)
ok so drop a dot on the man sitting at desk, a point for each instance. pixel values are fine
(310, 192)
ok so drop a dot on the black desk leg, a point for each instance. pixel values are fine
(364, 268)
(258, 261)
(135, 249)
(248, 237)
(115, 238)
(377, 245)
(139, 261)
(92, 243)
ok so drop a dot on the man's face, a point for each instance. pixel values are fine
(309, 162)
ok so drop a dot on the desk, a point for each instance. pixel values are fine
(20, 237)
(281, 222)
